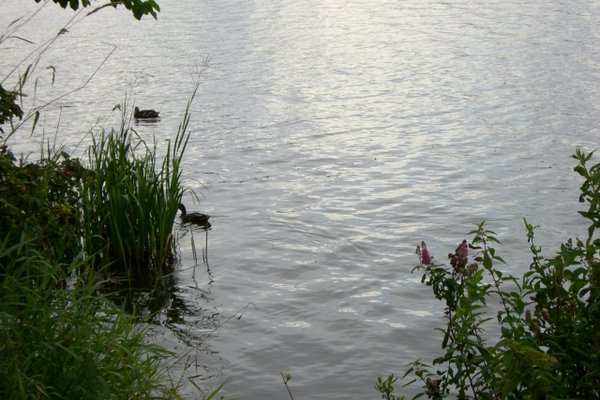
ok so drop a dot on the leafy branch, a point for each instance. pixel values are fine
(548, 345)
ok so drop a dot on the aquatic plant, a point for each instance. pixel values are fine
(130, 202)
(548, 322)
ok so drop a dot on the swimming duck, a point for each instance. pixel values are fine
(194, 218)
(144, 114)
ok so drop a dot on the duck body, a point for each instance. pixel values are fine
(194, 218)
(145, 114)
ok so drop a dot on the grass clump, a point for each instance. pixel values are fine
(130, 202)
(60, 339)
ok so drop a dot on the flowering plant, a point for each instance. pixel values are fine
(548, 320)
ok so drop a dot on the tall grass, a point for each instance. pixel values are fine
(131, 201)
(68, 342)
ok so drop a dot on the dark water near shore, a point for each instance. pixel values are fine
(328, 138)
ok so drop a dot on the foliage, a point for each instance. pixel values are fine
(8, 106)
(129, 205)
(63, 340)
(386, 387)
(40, 203)
(123, 206)
(138, 8)
(548, 320)
(60, 338)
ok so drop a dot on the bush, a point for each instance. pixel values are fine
(548, 320)
(40, 203)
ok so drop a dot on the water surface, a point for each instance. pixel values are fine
(328, 138)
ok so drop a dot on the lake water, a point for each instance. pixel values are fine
(328, 138)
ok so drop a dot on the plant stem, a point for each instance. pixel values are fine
(285, 382)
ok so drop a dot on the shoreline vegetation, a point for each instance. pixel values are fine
(547, 321)
(68, 229)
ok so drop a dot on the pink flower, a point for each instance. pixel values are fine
(462, 251)
(425, 257)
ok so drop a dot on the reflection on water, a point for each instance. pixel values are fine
(328, 139)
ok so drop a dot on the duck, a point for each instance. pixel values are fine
(144, 114)
(194, 218)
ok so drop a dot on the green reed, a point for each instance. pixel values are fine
(130, 202)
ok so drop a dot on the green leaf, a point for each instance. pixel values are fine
(487, 261)
(498, 258)
(36, 118)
